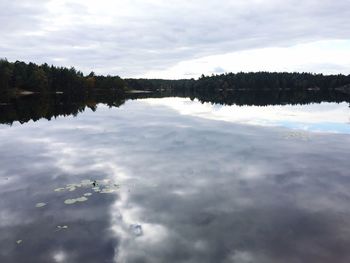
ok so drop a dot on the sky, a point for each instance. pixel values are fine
(178, 38)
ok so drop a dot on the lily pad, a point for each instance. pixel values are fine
(71, 188)
(73, 201)
(59, 189)
(19, 241)
(70, 201)
(38, 205)
(107, 191)
(87, 194)
(96, 189)
(81, 199)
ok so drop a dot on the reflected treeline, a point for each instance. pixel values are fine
(37, 106)
(269, 97)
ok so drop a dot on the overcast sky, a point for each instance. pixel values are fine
(178, 38)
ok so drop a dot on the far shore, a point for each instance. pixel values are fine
(138, 91)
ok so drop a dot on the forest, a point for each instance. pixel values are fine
(19, 77)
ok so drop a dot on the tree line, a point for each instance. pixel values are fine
(18, 77)
(257, 81)
(272, 81)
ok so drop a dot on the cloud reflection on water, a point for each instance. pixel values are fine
(324, 117)
(201, 190)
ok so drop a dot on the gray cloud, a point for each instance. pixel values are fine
(18, 16)
(145, 36)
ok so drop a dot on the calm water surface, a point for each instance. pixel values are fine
(174, 180)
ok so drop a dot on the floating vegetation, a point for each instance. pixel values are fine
(81, 199)
(101, 186)
(69, 201)
(104, 186)
(59, 189)
(107, 191)
(19, 241)
(73, 185)
(71, 188)
(73, 201)
(96, 189)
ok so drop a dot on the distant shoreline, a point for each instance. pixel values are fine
(138, 91)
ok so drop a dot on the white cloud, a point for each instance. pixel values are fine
(330, 57)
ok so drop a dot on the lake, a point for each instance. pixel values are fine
(177, 180)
